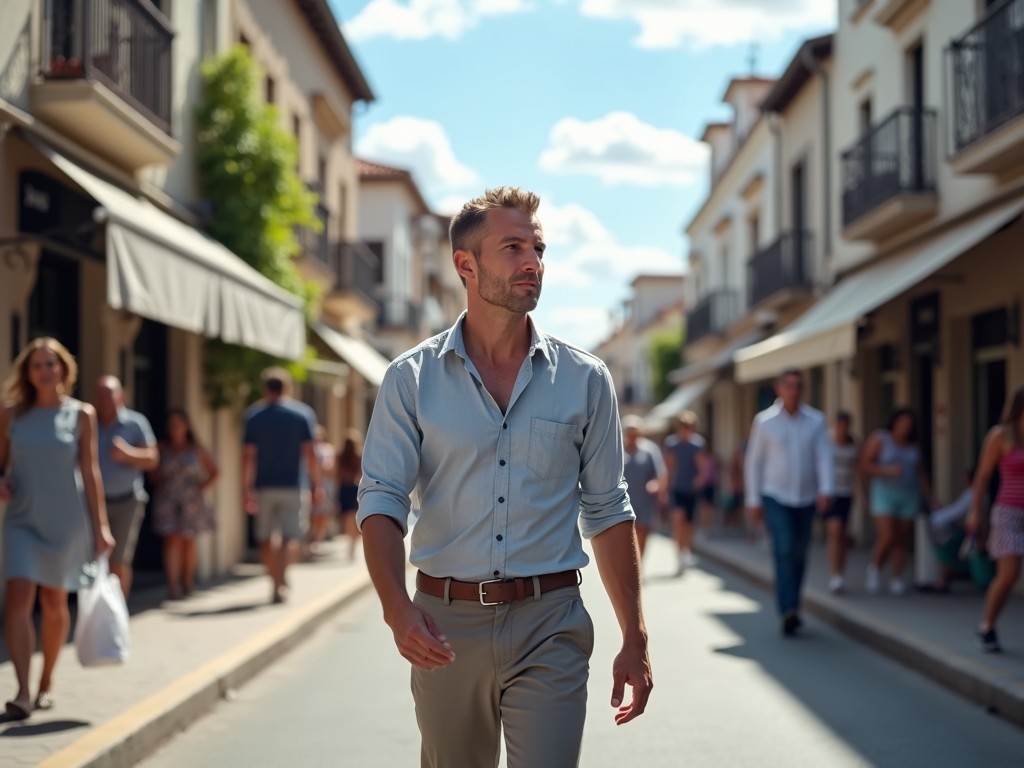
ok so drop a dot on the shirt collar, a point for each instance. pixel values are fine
(781, 409)
(539, 341)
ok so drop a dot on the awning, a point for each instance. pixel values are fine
(682, 398)
(717, 362)
(163, 269)
(827, 332)
(367, 361)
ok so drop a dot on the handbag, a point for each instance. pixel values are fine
(102, 635)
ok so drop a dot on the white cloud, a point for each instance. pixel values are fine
(702, 23)
(587, 271)
(422, 19)
(421, 146)
(619, 148)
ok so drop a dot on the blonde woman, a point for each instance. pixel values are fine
(51, 484)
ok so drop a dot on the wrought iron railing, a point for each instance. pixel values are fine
(713, 314)
(317, 244)
(785, 264)
(124, 44)
(988, 74)
(358, 270)
(399, 312)
(895, 157)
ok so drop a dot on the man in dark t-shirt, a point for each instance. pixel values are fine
(280, 474)
(684, 452)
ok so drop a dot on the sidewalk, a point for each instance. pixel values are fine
(185, 656)
(932, 634)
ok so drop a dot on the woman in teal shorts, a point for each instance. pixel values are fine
(898, 487)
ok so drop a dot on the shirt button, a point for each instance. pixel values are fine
(502, 462)
(504, 426)
(497, 573)
(499, 537)
(501, 499)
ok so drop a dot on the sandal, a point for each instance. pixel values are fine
(18, 710)
(44, 701)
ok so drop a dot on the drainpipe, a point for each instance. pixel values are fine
(808, 59)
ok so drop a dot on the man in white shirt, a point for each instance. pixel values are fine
(789, 474)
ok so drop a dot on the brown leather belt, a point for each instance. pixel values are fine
(496, 591)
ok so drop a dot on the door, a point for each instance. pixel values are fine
(53, 307)
(149, 388)
(797, 270)
(917, 139)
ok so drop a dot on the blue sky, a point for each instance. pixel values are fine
(594, 104)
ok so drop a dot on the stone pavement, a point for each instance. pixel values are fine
(185, 656)
(928, 632)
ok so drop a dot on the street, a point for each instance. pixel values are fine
(728, 691)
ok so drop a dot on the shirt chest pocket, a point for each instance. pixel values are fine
(552, 452)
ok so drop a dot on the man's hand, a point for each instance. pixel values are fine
(631, 667)
(249, 502)
(756, 514)
(824, 503)
(419, 639)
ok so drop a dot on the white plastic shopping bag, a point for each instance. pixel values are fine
(101, 633)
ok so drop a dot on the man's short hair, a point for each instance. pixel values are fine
(632, 421)
(276, 380)
(688, 419)
(467, 225)
(791, 372)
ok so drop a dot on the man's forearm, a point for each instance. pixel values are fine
(384, 551)
(619, 565)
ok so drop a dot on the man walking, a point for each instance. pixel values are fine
(511, 440)
(279, 434)
(127, 448)
(789, 473)
(684, 452)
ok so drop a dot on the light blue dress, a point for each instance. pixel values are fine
(47, 533)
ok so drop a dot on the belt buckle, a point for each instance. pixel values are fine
(480, 590)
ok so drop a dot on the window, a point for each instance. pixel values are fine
(754, 229)
(268, 88)
(865, 116)
(297, 131)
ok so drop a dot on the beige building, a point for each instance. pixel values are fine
(654, 306)
(927, 130)
(101, 241)
(419, 293)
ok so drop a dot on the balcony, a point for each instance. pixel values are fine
(357, 272)
(987, 66)
(316, 245)
(780, 271)
(712, 315)
(106, 79)
(889, 176)
(399, 313)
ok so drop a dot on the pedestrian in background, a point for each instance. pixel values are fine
(1003, 448)
(684, 452)
(789, 475)
(278, 438)
(837, 518)
(322, 512)
(55, 520)
(181, 514)
(349, 473)
(646, 477)
(497, 634)
(127, 449)
(897, 492)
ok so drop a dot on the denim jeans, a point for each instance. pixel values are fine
(790, 529)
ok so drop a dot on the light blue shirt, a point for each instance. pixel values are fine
(789, 457)
(500, 495)
(120, 480)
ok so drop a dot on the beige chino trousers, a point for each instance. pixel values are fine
(521, 667)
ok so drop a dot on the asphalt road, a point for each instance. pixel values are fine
(729, 691)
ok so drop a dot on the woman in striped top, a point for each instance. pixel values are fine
(1004, 447)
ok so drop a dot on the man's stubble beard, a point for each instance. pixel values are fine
(499, 294)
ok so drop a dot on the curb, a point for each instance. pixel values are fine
(956, 672)
(134, 734)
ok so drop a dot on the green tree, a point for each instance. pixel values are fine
(666, 355)
(246, 167)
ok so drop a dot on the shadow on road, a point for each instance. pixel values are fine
(39, 729)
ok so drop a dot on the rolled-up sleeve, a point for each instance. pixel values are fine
(603, 501)
(391, 454)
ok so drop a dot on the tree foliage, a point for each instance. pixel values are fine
(666, 355)
(246, 165)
